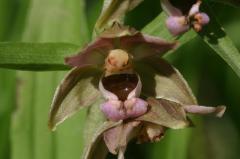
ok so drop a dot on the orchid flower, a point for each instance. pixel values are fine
(182, 18)
(138, 95)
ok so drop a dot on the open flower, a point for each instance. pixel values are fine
(184, 16)
(131, 94)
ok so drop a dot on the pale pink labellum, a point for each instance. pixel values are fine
(116, 110)
(113, 110)
(135, 107)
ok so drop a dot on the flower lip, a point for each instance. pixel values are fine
(120, 86)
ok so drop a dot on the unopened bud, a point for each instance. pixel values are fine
(202, 18)
(177, 25)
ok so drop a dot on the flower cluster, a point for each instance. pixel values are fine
(181, 19)
(140, 95)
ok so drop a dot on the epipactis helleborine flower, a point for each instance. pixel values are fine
(139, 96)
(120, 85)
(183, 16)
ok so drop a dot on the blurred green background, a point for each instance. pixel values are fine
(25, 96)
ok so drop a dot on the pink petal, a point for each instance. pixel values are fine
(194, 9)
(93, 54)
(113, 110)
(141, 45)
(202, 110)
(135, 107)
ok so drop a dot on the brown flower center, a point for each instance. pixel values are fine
(120, 84)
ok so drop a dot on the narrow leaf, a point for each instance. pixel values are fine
(47, 21)
(35, 56)
(216, 38)
(7, 103)
(233, 3)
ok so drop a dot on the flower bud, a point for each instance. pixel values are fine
(177, 25)
(202, 18)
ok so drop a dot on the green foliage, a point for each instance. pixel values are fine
(215, 36)
(35, 56)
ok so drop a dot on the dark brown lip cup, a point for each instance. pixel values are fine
(120, 84)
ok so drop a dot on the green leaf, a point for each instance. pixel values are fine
(35, 56)
(213, 34)
(233, 3)
(77, 90)
(157, 27)
(114, 11)
(47, 21)
(216, 38)
(7, 102)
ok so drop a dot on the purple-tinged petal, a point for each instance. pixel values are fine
(118, 137)
(135, 107)
(177, 25)
(118, 30)
(70, 96)
(113, 110)
(94, 144)
(202, 110)
(194, 9)
(202, 18)
(170, 9)
(165, 113)
(165, 82)
(93, 54)
(142, 46)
